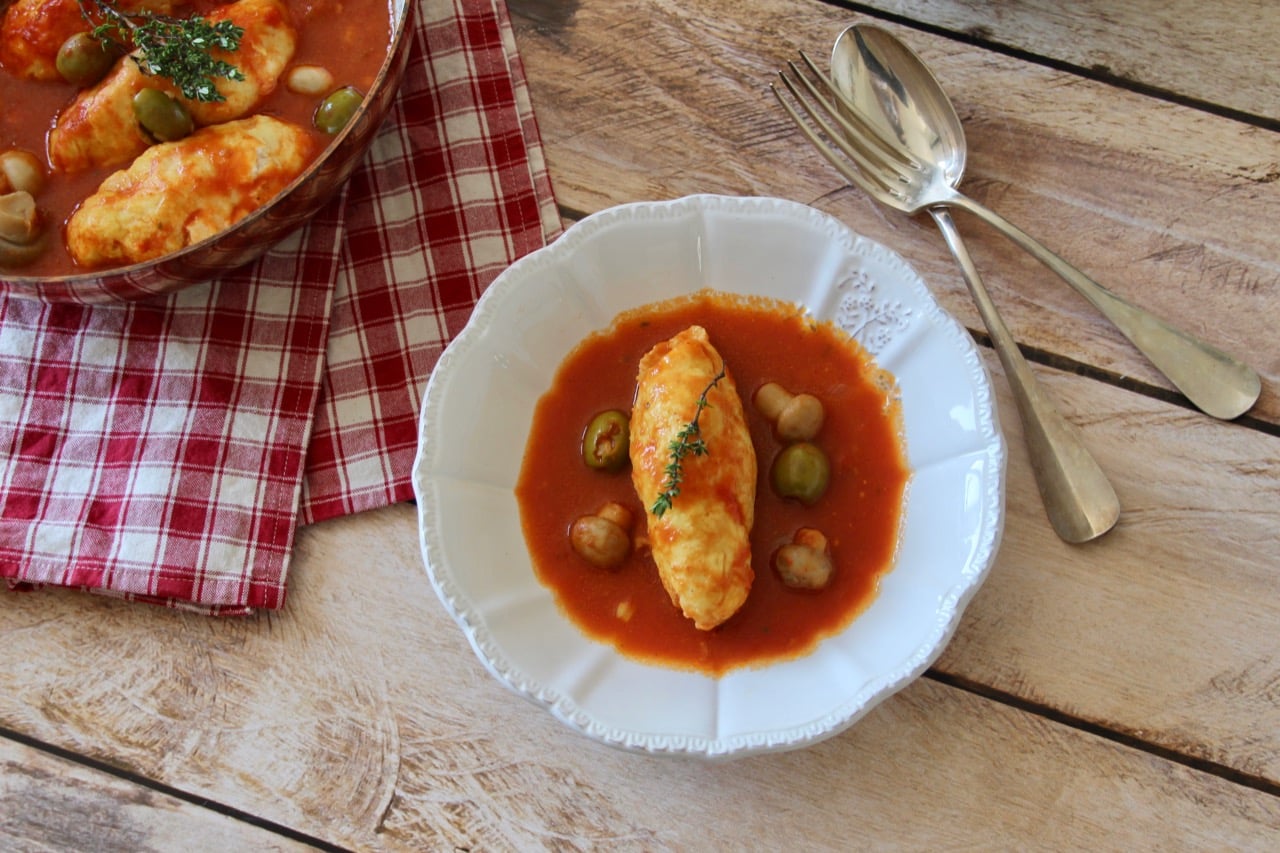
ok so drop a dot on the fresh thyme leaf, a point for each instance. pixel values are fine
(175, 48)
(688, 442)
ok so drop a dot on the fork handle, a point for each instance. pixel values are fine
(1078, 497)
(1216, 383)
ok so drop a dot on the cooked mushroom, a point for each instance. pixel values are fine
(795, 417)
(20, 171)
(603, 539)
(20, 231)
(805, 563)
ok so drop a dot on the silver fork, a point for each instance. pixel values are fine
(1215, 382)
(1078, 498)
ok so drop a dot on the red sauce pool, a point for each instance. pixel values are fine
(761, 341)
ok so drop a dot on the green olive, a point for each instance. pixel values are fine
(83, 60)
(337, 109)
(162, 117)
(606, 442)
(801, 471)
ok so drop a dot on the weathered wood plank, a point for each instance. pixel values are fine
(1165, 627)
(360, 715)
(53, 804)
(672, 98)
(1205, 51)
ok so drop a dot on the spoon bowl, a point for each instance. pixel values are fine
(894, 91)
(897, 94)
(1079, 500)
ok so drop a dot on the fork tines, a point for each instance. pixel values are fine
(841, 133)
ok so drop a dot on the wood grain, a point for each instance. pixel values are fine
(624, 120)
(1207, 52)
(68, 806)
(360, 715)
(1122, 694)
(1164, 628)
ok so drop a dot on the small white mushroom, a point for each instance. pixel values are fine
(805, 563)
(20, 171)
(20, 231)
(19, 220)
(603, 539)
(795, 417)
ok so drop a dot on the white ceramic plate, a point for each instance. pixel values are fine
(478, 410)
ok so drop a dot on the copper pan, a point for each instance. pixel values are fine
(255, 234)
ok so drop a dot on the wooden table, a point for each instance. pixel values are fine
(1123, 694)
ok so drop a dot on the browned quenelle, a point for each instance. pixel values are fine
(181, 192)
(83, 112)
(99, 127)
(701, 543)
(33, 31)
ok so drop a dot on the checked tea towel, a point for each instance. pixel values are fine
(166, 451)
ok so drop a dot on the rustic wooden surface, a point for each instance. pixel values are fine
(1212, 54)
(1124, 694)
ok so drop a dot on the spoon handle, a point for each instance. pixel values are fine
(1078, 497)
(1216, 383)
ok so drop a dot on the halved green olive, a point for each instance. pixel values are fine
(801, 471)
(161, 116)
(83, 60)
(337, 109)
(606, 443)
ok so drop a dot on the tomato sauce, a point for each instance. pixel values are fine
(348, 37)
(761, 341)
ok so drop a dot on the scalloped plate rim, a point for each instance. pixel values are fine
(638, 216)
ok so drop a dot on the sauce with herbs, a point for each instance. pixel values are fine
(761, 341)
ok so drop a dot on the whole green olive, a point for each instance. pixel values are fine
(607, 440)
(337, 109)
(162, 117)
(801, 471)
(83, 60)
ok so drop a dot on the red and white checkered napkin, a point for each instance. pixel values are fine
(166, 451)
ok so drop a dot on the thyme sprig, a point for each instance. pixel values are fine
(175, 48)
(688, 442)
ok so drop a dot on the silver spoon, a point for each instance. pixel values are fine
(888, 82)
(1078, 497)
